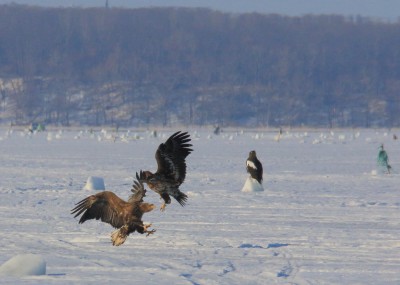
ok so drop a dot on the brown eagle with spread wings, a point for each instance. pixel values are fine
(171, 171)
(109, 208)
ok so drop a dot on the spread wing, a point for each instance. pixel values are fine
(138, 189)
(104, 206)
(171, 156)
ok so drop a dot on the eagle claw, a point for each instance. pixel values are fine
(150, 232)
(145, 227)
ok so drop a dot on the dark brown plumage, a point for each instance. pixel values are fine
(171, 171)
(109, 208)
(254, 166)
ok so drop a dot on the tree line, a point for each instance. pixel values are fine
(162, 66)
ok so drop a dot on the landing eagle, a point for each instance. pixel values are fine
(171, 171)
(109, 208)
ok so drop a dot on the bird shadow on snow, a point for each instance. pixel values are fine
(271, 245)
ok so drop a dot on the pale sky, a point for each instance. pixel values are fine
(381, 9)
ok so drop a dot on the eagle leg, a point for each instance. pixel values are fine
(119, 236)
(162, 208)
(167, 200)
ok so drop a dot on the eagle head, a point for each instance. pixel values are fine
(252, 154)
(147, 207)
(147, 175)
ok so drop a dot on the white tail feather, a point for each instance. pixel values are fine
(117, 237)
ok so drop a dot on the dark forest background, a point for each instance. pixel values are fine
(162, 66)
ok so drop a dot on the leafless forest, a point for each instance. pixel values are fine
(161, 66)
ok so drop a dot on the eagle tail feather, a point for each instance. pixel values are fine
(119, 236)
(181, 198)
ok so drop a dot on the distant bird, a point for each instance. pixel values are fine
(217, 130)
(254, 167)
(171, 171)
(109, 208)
(383, 159)
(279, 135)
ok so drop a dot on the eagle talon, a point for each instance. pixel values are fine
(145, 227)
(150, 232)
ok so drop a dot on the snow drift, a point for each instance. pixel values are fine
(252, 185)
(24, 265)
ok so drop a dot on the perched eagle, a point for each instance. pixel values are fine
(383, 159)
(171, 171)
(109, 208)
(254, 167)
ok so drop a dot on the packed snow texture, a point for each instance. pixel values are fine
(23, 265)
(327, 216)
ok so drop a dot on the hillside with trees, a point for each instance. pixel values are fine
(161, 66)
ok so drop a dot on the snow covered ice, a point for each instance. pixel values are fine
(324, 217)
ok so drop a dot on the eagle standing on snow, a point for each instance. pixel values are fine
(171, 171)
(109, 208)
(254, 167)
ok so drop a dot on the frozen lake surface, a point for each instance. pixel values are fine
(327, 215)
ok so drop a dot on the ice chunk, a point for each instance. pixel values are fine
(24, 265)
(95, 183)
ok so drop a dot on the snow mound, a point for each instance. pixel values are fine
(24, 265)
(252, 185)
(95, 183)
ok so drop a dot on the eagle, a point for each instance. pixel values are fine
(126, 217)
(254, 167)
(171, 171)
